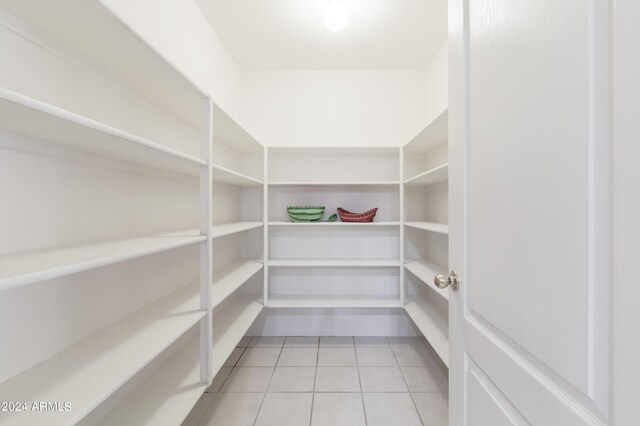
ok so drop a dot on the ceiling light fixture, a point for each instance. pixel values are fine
(336, 16)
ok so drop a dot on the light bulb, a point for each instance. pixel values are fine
(336, 16)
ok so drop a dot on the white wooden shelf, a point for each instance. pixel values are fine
(339, 183)
(333, 301)
(227, 130)
(91, 371)
(95, 31)
(434, 134)
(229, 278)
(425, 272)
(38, 265)
(358, 263)
(426, 308)
(438, 228)
(25, 116)
(331, 224)
(233, 228)
(335, 149)
(231, 324)
(434, 328)
(167, 397)
(224, 175)
(432, 176)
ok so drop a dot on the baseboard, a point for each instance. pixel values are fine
(333, 322)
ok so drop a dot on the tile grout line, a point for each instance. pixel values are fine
(233, 367)
(406, 384)
(204, 412)
(364, 410)
(264, 395)
(315, 377)
(215, 394)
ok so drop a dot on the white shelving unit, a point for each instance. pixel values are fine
(427, 232)
(231, 277)
(147, 365)
(22, 115)
(149, 362)
(45, 264)
(231, 322)
(224, 175)
(337, 223)
(432, 325)
(91, 372)
(439, 228)
(237, 215)
(425, 272)
(337, 183)
(432, 176)
(96, 33)
(165, 397)
(334, 264)
(219, 231)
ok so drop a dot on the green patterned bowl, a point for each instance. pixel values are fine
(305, 213)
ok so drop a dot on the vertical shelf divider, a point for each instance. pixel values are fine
(206, 248)
(402, 218)
(265, 218)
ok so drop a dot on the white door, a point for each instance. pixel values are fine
(529, 209)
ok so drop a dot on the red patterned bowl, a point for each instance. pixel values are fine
(347, 216)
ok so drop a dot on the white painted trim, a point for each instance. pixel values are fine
(206, 250)
(401, 201)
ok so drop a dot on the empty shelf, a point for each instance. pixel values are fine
(340, 183)
(432, 326)
(224, 175)
(439, 228)
(167, 397)
(333, 301)
(425, 272)
(229, 278)
(435, 133)
(336, 223)
(228, 131)
(233, 228)
(430, 177)
(38, 265)
(93, 30)
(231, 324)
(91, 371)
(22, 115)
(334, 262)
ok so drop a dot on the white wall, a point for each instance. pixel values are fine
(178, 31)
(437, 85)
(292, 107)
(342, 107)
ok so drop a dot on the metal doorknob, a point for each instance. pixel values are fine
(442, 281)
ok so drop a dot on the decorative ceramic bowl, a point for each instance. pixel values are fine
(347, 216)
(305, 213)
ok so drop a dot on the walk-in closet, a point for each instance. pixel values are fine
(318, 212)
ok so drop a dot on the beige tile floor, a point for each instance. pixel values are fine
(333, 381)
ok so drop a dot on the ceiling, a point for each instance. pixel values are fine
(290, 34)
